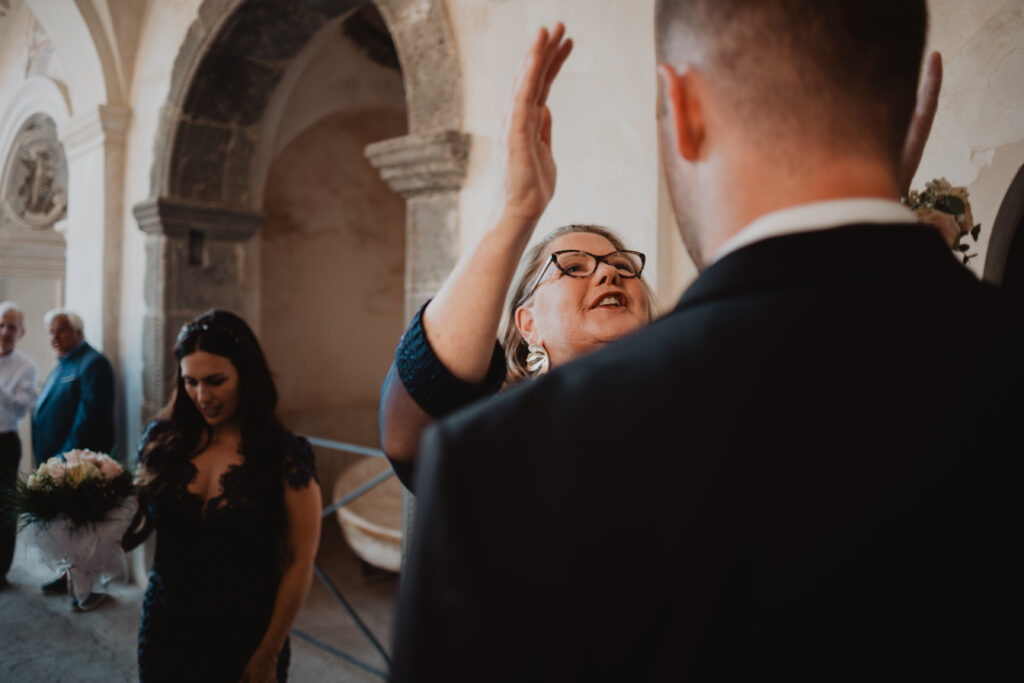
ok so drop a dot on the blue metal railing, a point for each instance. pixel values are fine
(341, 502)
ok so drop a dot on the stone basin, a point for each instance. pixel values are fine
(372, 523)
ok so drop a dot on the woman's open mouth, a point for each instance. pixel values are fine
(613, 300)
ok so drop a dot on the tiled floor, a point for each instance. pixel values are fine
(42, 640)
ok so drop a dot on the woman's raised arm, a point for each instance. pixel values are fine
(461, 322)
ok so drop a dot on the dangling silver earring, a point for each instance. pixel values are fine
(537, 361)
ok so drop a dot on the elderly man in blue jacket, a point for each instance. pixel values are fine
(75, 409)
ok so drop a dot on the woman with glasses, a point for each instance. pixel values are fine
(577, 289)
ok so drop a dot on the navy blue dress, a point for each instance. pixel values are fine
(216, 570)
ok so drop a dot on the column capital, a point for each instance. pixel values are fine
(162, 216)
(422, 164)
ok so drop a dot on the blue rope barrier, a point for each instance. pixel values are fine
(345, 500)
(335, 651)
(342, 446)
(352, 613)
(341, 502)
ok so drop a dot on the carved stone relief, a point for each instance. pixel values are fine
(34, 190)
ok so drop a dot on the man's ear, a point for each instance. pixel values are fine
(683, 110)
(526, 325)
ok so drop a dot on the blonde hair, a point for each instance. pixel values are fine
(512, 340)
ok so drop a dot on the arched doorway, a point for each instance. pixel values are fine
(209, 167)
(332, 255)
(235, 210)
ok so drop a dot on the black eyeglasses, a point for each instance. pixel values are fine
(577, 263)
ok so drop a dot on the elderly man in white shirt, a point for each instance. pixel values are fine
(17, 394)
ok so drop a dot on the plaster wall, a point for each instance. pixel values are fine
(332, 272)
(164, 24)
(331, 251)
(15, 34)
(604, 138)
(978, 136)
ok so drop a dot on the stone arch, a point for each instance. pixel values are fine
(1004, 260)
(36, 95)
(205, 200)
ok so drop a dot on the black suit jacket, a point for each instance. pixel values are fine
(801, 470)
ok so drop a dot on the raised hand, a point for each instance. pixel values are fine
(463, 319)
(530, 171)
(921, 123)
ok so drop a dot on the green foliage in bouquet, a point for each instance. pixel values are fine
(940, 195)
(83, 489)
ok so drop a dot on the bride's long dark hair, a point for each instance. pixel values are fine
(181, 432)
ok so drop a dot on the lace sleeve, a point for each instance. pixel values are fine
(299, 464)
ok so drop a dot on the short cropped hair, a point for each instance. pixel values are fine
(843, 72)
(6, 306)
(73, 319)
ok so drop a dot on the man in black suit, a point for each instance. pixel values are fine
(801, 470)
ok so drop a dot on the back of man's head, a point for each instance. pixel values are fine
(834, 74)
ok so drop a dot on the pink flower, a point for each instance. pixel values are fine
(109, 467)
(56, 471)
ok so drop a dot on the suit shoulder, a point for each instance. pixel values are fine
(650, 356)
(93, 358)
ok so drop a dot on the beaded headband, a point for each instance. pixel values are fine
(192, 328)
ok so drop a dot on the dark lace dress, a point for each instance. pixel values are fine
(216, 571)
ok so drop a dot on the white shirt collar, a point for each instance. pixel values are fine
(817, 216)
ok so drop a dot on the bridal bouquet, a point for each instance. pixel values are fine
(77, 507)
(948, 209)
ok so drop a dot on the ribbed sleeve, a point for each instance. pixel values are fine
(434, 388)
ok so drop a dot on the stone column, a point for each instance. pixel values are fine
(195, 260)
(428, 171)
(94, 146)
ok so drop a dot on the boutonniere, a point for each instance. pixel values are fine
(948, 208)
